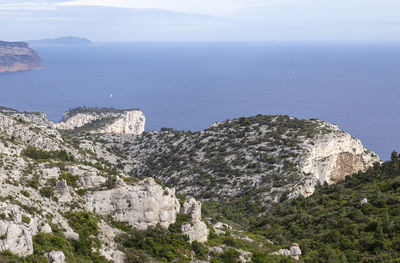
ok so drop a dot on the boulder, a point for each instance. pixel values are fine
(364, 201)
(56, 257)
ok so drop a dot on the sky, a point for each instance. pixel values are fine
(202, 20)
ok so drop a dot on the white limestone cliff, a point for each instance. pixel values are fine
(132, 122)
(122, 122)
(330, 158)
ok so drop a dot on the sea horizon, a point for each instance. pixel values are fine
(190, 85)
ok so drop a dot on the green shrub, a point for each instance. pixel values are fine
(47, 191)
(157, 242)
(25, 193)
(26, 219)
(39, 154)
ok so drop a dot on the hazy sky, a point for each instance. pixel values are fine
(204, 20)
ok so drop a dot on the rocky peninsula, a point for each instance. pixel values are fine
(17, 56)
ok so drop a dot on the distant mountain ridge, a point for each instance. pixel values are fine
(61, 41)
(17, 56)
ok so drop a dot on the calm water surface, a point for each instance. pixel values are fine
(190, 85)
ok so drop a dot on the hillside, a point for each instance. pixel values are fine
(83, 195)
(262, 159)
(52, 193)
(356, 220)
(17, 56)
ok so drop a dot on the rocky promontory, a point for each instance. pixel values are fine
(103, 120)
(17, 56)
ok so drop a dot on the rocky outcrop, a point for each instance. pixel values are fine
(364, 201)
(17, 228)
(56, 257)
(132, 122)
(15, 238)
(142, 205)
(62, 191)
(17, 56)
(330, 158)
(294, 251)
(333, 156)
(104, 120)
(195, 229)
(25, 133)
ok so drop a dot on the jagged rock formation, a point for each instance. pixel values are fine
(17, 56)
(104, 120)
(142, 205)
(195, 229)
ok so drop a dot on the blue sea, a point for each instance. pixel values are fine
(188, 86)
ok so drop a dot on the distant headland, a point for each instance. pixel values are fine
(17, 56)
(62, 41)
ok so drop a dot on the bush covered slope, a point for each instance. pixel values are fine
(333, 225)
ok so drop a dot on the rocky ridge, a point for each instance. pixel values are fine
(269, 158)
(17, 56)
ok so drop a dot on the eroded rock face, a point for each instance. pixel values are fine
(195, 229)
(142, 205)
(330, 158)
(132, 122)
(121, 122)
(335, 155)
(17, 56)
(62, 191)
(15, 238)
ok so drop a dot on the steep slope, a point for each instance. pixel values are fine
(356, 220)
(16, 56)
(267, 158)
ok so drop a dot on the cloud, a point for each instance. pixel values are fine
(190, 20)
(30, 4)
(214, 7)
